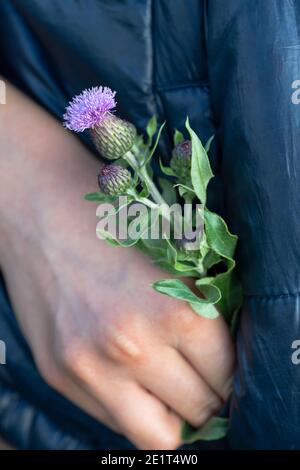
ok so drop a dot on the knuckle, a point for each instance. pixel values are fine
(198, 401)
(119, 343)
(68, 354)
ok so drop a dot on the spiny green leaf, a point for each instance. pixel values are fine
(216, 428)
(210, 259)
(218, 236)
(151, 128)
(144, 192)
(180, 268)
(156, 249)
(208, 289)
(166, 170)
(178, 137)
(201, 172)
(208, 143)
(184, 190)
(223, 244)
(156, 143)
(166, 266)
(232, 295)
(98, 197)
(168, 191)
(113, 240)
(177, 289)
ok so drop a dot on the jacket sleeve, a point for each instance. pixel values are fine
(254, 62)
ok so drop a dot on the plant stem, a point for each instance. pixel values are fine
(188, 210)
(144, 176)
(157, 197)
(144, 200)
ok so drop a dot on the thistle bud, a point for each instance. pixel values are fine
(190, 240)
(187, 243)
(114, 179)
(113, 137)
(181, 160)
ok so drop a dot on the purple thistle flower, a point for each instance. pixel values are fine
(89, 108)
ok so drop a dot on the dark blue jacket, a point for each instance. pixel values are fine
(230, 65)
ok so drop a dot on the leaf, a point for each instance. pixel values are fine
(150, 170)
(139, 148)
(165, 255)
(145, 191)
(98, 197)
(166, 266)
(156, 249)
(208, 289)
(139, 142)
(168, 191)
(156, 143)
(183, 190)
(179, 267)
(231, 290)
(104, 235)
(218, 236)
(178, 137)
(112, 239)
(171, 252)
(223, 243)
(151, 128)
(210, 259)
(142, 223)
(166, 170)
(208, 143)
(201, 172)
(216, 428)
(179, 290)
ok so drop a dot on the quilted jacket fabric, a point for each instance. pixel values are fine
(231, 66)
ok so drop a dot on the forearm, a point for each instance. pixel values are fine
(42, 166)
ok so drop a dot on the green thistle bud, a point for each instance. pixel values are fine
(114, 179)
(113, 137)
(181, 160)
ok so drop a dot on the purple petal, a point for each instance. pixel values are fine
(89, 108)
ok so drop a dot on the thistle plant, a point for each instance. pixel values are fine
(204, 253)
(113, 137)
(114, 180)
(181, 160)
